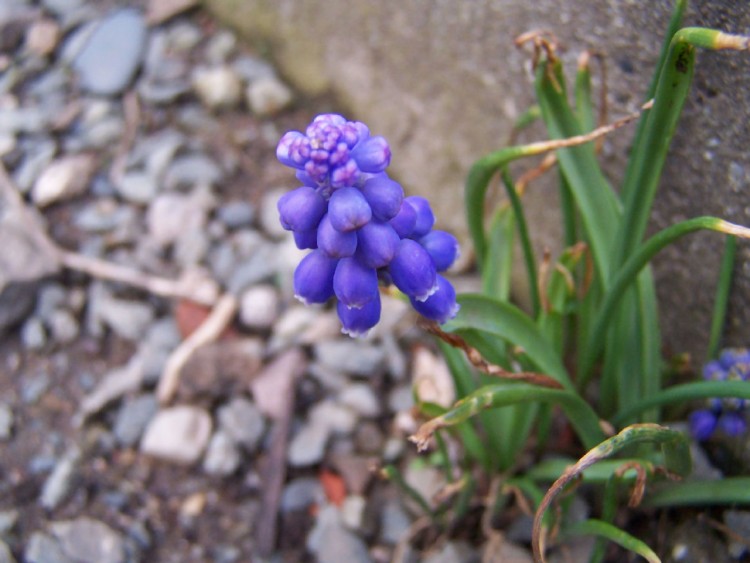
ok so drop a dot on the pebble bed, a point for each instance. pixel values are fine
(148, 141)
(145, 135)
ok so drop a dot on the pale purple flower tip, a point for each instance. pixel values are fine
(348, 209)
(441, 306)
(313, 278)
(354, 283)
(425, 217)
(377, 244)
(344, 175)
(384, 196)
(713, 371)
(405, 219)
(702, 424)
(301, 209)
(335, 243)
(442, 247)
(413, 271)
(286, 148)
(358, 322)
(372, 155)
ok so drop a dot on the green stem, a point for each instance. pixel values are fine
(525, 239)
(722, 296)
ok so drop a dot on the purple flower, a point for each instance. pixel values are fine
(348, 209)
(313, 278)
(726, 413)
(357, 322)
(442, 247)
(413, 270)
(333, 242)
(441, 306)
(372, 155)
(425, 217)
(405, 220)
(301, 209)
(354, 283)
(702, 424)
(377, 244)
(361, 229)
(384, 196)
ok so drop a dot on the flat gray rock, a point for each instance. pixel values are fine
(111, 56)
(85, 539)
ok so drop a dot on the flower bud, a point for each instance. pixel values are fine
(358, 322)
(441, 306)
(442, 247)
(372, 155)
(313, 278)
(702, 424)
(384, 196)
(413, 271)
(425, 217)
(377, 243)
(405, 220)
(354, 283)
(306, 239)
(301, 209)
(348, 209)
(335, 243)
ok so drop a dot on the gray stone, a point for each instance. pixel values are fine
(394, 523)
(436, 149)
(257, 268)
(133, 417)
(222, 456)
(331, 542)
(58, 484)
(236, 214)
(252, 68)
(242, 421)
(454, 552)
(33, 335)
(63, 326)
(193, 169)
(112, 54)
(301, 493)
(6, 422)
(5, 554)
(24, 120)
(16, 299)
(738, 521)
(8, 521)
(43, 548)
(171, 214)
(138, 187)
(103, 215)
(127, 318)
(353, 511)
(259, 307)
(268, 96)
(308, 445)
(362, 399)
(350, 356)
(85, 539)
(220, 46)
(179, 434)
(269, 213)
(191, 248)
(33, 387)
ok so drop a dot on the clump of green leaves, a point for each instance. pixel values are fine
(593, 309)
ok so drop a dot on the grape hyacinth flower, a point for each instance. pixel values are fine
(360, 228)
(726, 414)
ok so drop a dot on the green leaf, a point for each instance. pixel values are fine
(498, 269)
(593, 527)
(506, 322)
(581, 416)
(686, 392)
(596, 201)
(728, 491)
